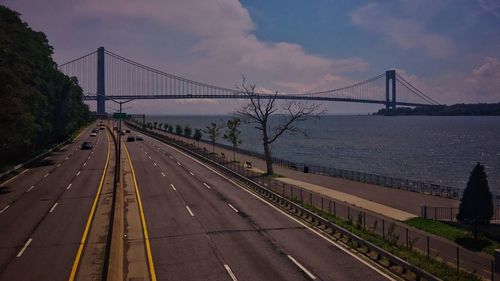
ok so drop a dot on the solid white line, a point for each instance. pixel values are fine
(53, 207)
(230, 272)
(46, 175)
(24, 248)
(4, 208)
(155, 164)
(162, 173)
(84, 164)
(302, 268)
(189, 210)
(173, 187)
(69, 185)
(208, 186)
(191, 173)
(326, 238)
(232, 207)
(29, 189)
(77, 174)
(7, 181)
(179, 164)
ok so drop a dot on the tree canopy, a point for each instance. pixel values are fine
(39, 105)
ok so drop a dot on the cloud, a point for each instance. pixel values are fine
(225, 42)
(407, 33)
(490, 6)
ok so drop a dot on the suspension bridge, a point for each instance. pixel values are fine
(104, 75)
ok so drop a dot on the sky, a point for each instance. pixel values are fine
(449, 49)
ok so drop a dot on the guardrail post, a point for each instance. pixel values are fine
(497, 260)
(458, 260)
(428, 246)
(383, 228)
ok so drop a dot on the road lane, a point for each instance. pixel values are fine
(256, 241)
(55, 235)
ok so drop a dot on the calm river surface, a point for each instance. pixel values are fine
(435, 149)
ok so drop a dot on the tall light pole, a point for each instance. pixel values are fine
(119, 150)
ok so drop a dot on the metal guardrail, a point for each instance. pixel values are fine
(36, 158)
(300, 211)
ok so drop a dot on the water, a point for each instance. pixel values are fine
(442, 150)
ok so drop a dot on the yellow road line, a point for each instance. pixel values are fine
(143, 221)
(74, 269)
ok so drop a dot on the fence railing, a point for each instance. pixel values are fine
(397, 232)
(364, 177)
(450, 213)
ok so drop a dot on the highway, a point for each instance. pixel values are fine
(202, 226)
(45, 210)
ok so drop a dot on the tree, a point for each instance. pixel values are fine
(170, 128)
(261, 108)
(476, 205)
(155, 124)
(187, 131)
(165, 127)
(232, 134)
(178, 129)
(213, 131)
(149, 125)
(197, 135)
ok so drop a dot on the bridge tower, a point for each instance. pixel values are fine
(390, 87)
(101, 95)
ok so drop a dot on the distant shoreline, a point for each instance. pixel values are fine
(478, 109)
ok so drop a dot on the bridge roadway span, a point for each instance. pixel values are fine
(41, 230)
(203, 227)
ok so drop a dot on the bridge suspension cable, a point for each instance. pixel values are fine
(128, 79)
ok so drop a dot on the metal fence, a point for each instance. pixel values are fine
(364, 177)
(396, 232)
(450, 214)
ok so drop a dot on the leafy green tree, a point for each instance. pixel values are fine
(165, 127)
(155, 124)
(232, 134)
(213, 131)
(170, 128)
(149, 125)
(187, 131)
(476, 205)
(40, 106)
(178, 129)
(197, 135)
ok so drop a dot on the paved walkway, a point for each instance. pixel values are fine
(390, 202)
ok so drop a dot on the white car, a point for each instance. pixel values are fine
(93, 135)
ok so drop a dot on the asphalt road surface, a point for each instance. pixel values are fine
(43, 211)
(204, 227)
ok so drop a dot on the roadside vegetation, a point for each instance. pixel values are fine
(39, 105)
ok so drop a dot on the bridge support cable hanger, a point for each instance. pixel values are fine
(104, 75)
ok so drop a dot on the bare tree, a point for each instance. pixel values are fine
(261, 107)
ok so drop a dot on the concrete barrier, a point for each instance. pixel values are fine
(497, 261)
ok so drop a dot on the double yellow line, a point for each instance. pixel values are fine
(74, 269)
(143, 221)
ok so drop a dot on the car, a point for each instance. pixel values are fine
(87, 145)
(93, 135)
(127, 131)
(130, 138)
(95, 130)
(122, 133)
(139, 138)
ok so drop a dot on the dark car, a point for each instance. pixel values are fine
(87, 145)
(139, 138)
(127, 131)
(130, 138)
(95, 130)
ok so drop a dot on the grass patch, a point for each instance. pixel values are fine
(458, 233)
(438, 268)
(274, 175)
